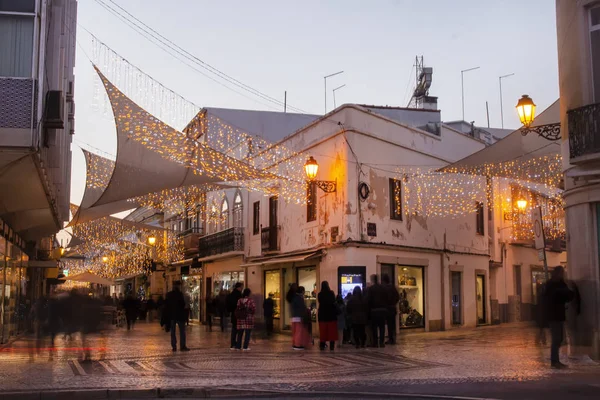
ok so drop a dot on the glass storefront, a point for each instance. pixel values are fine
(307, 277)
(226, 281)
(273, 285)
(13, 282)
(193, 287)
(411, 285)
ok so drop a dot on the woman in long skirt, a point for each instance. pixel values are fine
(300, 339)
(327, 317)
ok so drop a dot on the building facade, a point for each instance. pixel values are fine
(37, 56)
(578, 31)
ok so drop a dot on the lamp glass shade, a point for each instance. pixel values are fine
(311, 168)
(151, 240)
(104, 259)
(526, 110)
(521, 204)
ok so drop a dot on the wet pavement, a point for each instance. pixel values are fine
(440, 362)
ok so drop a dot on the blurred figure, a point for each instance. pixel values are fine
(188, 307)
(232, 302)
(393, 297)
(541, 317)
(557, 296)
(175, 310)
(222, 308)
(268, 308)
(131, 307)
(378, 310)
(210, 310)
(327, 317)
(244, 313)
(341, 318)
(358, 310)
(300, 320)
(151, 307)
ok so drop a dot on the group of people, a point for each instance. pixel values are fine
(363, 313)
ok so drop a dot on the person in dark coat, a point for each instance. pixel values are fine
(211, 308)
(358, 311)
(222, 308)
(541, 313)
(557, 296)
(175, 309)
(232, 301)
(327, 315)
(377, 298)
(131, 307)
(393, 298)
(268, 308)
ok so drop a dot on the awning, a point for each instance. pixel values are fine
(284, 260)
(89, 278)
(41, 264)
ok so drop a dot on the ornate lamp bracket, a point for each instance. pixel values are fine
(548, 131)
(326, 186)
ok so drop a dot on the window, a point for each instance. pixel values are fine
(174, 227)
(311, 202)
(256, 218)
(479, 220)
(213, 219)
(595, 49)
(224, 214)
(238, 210)
(16, 38)
(181, 225)
(395, 199)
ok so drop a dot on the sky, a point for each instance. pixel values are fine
(276, 46)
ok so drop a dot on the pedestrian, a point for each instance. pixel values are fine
(357, 309)
(175, 309)
(268, 308)
(541, 314)
(222, 308)
(378, 310)
(341, 318)
(188, 307)
(232, 301)
(327, 317)
(393, 297)
(300, 314)
(244, 315)
(130, 305)
(557, 296)
(210, 310)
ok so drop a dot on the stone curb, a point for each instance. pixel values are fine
(203, 393)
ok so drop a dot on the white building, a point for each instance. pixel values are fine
(37, 56)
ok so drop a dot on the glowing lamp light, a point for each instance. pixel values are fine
(104, 259)
(521, 204)
(62, 250)
(151, 240)
(311, 168)
(526, 110)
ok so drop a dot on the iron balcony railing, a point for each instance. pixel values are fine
(270, 239)
(231, 239)
(584, 131)
(190, 240)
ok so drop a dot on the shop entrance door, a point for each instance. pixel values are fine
(388, 269)
(456, 292)
(481, 312)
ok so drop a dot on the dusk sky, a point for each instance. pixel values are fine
(274, 46)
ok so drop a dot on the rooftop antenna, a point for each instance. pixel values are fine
(423, 77)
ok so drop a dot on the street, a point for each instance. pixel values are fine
(492, 362)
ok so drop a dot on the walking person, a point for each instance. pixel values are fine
(268, 308)
(358, 311)
(558, 295)
(131, 307)
(393, 297)
(232, 301)
(244, 314)
(541, 314)
(300, 314)
(175, 309)
(341, 318)
(378, 310)
(210, 310)
(222, 308)
(327, 315)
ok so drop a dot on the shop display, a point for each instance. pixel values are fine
(411, 287)
(349, 281)
(307, 278)
(226, 281)
(273, 285)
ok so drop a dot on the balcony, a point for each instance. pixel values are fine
(190, 240)
(584, 133)
(269, 239)
(226, 241)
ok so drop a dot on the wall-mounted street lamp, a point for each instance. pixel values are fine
(311, 167)
(105, 259)
(526, 111)
(152, 240)
(521, 204)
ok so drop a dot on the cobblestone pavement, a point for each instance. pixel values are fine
(143, 358)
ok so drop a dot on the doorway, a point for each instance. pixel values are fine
(456, 292)
(481, 311)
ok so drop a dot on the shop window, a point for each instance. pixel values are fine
(273, 286)
(311, 202)
(411, 285)
(481, 295)
(479, 219)
(256, 218)
(456, 297)
(226, 281)
(307, 278)
(595, 50)
(395, 199)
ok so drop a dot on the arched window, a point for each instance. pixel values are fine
(238, 210)
(224, 214)
(213, 219)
